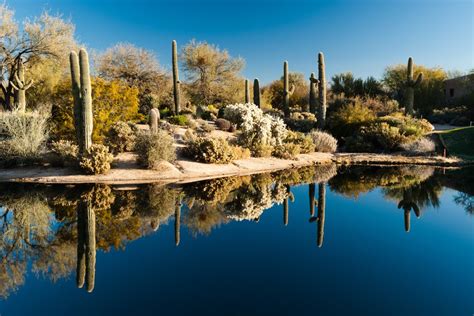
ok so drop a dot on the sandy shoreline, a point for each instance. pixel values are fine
(125, 170)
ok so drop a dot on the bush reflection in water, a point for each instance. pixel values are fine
(57, 230)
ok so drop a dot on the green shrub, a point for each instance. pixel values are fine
(121, 137)
(349, 118)
(287, 151)
(305, 142)
(181, 120)
(165, 113)
(261, 150)
(24, 134)
(377, 136)
(152, 149)
(214, 150)
(323, 141)
(96, 160)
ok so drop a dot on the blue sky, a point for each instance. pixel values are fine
(359, 36)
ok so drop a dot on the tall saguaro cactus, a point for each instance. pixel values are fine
(177, 222)
(313, 97)
(82, 93)
(322, 91)
(256, 92)
(287, 90)
(321, 212)
(247, 91)
(176, 82)
(410, 86)
(20, 86)
(312, 202)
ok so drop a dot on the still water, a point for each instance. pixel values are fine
(352, 241)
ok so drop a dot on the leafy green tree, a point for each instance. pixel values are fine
(351, 87)
(428, 95)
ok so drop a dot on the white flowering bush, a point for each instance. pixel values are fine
(249, 204)
(256, 127)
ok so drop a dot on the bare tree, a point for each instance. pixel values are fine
(213, 75)
(45, 38)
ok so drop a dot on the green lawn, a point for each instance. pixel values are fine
(460, 142)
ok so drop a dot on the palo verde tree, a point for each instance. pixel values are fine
(213, 75)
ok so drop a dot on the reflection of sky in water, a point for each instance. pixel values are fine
(367, 265)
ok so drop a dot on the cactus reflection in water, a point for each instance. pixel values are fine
(86, 246)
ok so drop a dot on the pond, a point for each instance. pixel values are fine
(320, 240)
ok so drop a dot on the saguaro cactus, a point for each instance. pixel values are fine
(82, 93)
(176, 82)
(289, 197)
(153, 119)
(322, 91)
(410, 86)
(20, 86)
(407, 205)
(287, 90)
(312, 202)
(256, 92)
(313, 97)
(321, 212)
(86, 246)
(177, 222)
(247, 91)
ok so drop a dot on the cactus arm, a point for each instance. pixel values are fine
(14, 86)
(256, 92)
(18, 82)
(292, 89)
(419, 79)
(29, 84)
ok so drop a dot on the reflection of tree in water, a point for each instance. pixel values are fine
(415, 197)
(466, 201)
(46, 226)
(353, 181)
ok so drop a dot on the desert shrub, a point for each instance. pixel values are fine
(65, 150)
(192, 124)
(96, 160)
(261, 150)
(206, 128)
(165, 112)
(422, 146)
(24, 134)
(378, 135)
(409, 126)
(256, 127)
(323, 142)
(223, 124)
(214, 150)
(181, 120)
(121, 137)
(301, 121)
(287, 150)
(154, 148)
(381, 105)
(349, 118)
(449, 115)
(305, 142)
